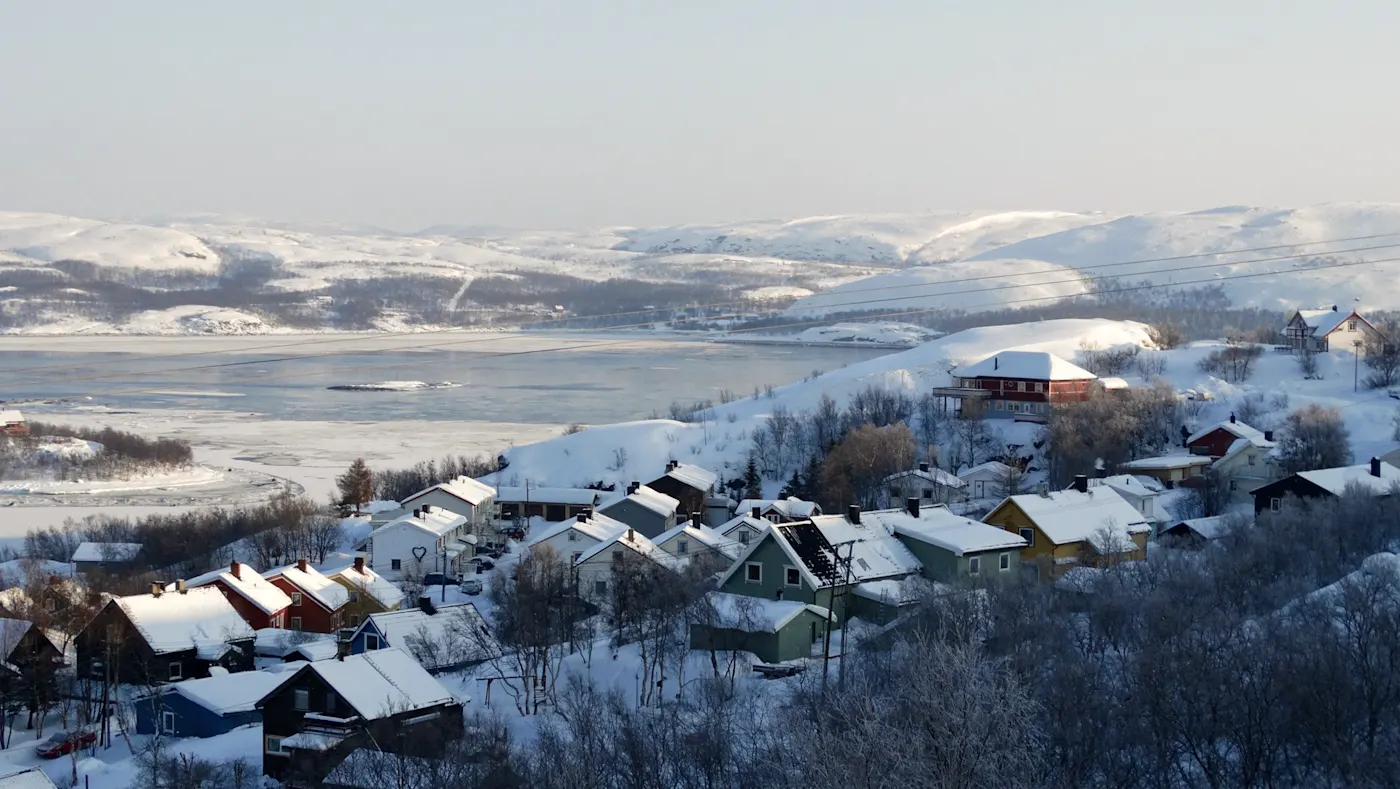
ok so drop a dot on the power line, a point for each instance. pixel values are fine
(619, 343)
(904, 287)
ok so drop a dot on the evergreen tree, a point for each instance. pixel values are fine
(356, 485)
(753, 483)
(794, 486)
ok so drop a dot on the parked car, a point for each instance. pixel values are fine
(61, 743)
(484, 562)
(471, 586)
(513, 532)
(438, 579)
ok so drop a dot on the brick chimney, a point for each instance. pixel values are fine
(912, 504)
(1232, 417)
(235, 569)
(853, 513)
(582, 517)
(1268, 435)
(180, 587)
(301, 565)
(155, 590)
(633, 487)
(360, 565)
(695, 518)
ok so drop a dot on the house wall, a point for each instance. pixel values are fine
(566, 547)
(691, 500)
(314, 616)
(694, 549)
(775, 562)
(993, 486)
(927, 491)
(362, 604)
(736, 533)
(647, 522)
(943, 565)
(1247, 476)
(1215, 443)
(546, 510)
(253, 615)
(1044, 553)
(191, 720)
(793, 642)
(398, 544)
(1293, 485)
(358, 642)
(1344, 337)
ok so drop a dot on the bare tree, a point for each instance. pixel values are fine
(855, 469)
(1314, 436)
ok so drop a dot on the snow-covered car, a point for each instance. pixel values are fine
(61, 743)
(471, 586)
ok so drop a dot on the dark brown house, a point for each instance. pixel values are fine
(164, 637)
(690, 485)
(1376, 478)
(382, 699)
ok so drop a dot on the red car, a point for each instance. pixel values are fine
(61, 743)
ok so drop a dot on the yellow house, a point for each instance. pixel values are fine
(1081, 526)
(370, 593)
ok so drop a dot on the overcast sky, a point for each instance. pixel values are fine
(585, 112)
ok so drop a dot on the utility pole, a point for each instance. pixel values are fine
(841, 669)
(831, 611)
(1356, 366)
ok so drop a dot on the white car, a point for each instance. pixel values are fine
(471, 586)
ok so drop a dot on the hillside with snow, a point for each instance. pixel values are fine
(66, 275)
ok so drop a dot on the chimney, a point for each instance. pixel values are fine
(360, 565)
(631, 534)
(180, 587)
(1376, 467)
(671, 465)
(695, 518)
(53, 580)
(235, 569)
(418, 512)
(582, 517)
(1081, 483)
(1268, 435)
(853, 513)
(155, 590)
(996, 363)
(1232, 417)
(301, 565)
(425, 602)
(757, 513)
(427, 508)
(923, 467)
(912, 503)
(633, 487)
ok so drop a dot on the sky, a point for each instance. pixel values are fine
(580, 113)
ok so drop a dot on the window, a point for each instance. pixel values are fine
(573, 536)
(1021, 386)
(177, 670)
(996, 405)
(1274, 505)
(974, 565)
(301, 699)
(330, 702)
(928, 493)
(794, 578)
(576, 556)
(354, 596)
(753, 573)
(273, 744)
(296, 598)
(167, 722)
(1233, 486)
(1028, 535)
(1040, 388)
(1251, 459)
(744, 537)
(617, 557)
(1004, 562)
(50, 604)
(354, 620)
(395, 564)
(1351, 325)
(600, 587)
(296, 623)
(683, 546)
(371, 641)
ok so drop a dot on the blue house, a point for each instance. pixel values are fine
(440, 638)
(209, 706)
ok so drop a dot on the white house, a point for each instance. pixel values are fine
(987, 481)
(572, 538)
(473, 500)
(1246, 465)
(594, 569)
(1142, 492)
(926, 483)
(690, 539)
(744, 529)
(428, 539)
(1327, 329)
(779, 510)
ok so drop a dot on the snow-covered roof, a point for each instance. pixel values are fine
(654, 500)
(692, 476)
(535, 494)
(820, 547)
(106, 551)
(452, 636)
(940, 527)
(899, 592)
(313, 741)
(436, 521)
(313, 583)
(11, 417)
(935, 475)
(790, 507)
(729, 526)
(1241, 444)
(757, 614)
(995, 467)
(1166, 462)
(1099, 517)
(631, 538)
(702, 535)
(11, 633)
(598, 527)
(274, 642)
(1323, 321)
(248, 583)
(366, 580)
(1031, 365)
(1236, 429)
(1209, 528)
(235, 692)
(1336, 480)
(463, 488)
(1112, 382)
(173, 622)
(26, 778)
(382, 682)
(1133, 485)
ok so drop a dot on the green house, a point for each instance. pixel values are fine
(774, 630)
(954, 548)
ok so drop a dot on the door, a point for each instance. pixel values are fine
(979, 488)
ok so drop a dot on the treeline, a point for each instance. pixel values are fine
(121, 455)
(399, 484)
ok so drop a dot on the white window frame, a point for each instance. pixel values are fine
(1040, 388)
(1351, 325)
(176, 671)
(573, 559)
(748, 577)
(573, 536)
(296, 599)
(788, 571)
(974, 565)
(296, 624)
(372, 642)
(682, 546)
(273, 744)
(50, 604)
(301, 699)
(1028, 535)
(1250, 457)
(1275, 504)
(167, 722)
(1004, 562)
(600, 587)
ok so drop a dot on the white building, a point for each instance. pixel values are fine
(594, 569)
(427, 539)
(779, 510)
(474, 501)
(1142, 492)
(744, 529)
(926, 483)
(572, 538)
(988, 481)
(690, 539)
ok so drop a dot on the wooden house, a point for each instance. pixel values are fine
(474, 501)
(572, 538)
(24, 644)
(695, 542)
(382, 699)
(165, 637)
(745, 528)
(1021, 385)
(1376, 478)
(951, 547)
(12, 424)
(211, 706)
(988, 480)
(1215, 440)
(1194, 533)
(594, 570)
(928, 484)
(1328, 329)
(429, 539)
(779, 510)
(440, 637)
(1082, 526)
(107, 557)
(688, 484)
(1170, 470)
(648, 511)
(258, 601)
(370, 593)
(773, 630)
(317, 602)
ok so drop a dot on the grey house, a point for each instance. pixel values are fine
(649, 512)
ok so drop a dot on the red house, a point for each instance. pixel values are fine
(261, 603)
(317, 601)
(1021, 385)
(1216, 440)
(12, 424)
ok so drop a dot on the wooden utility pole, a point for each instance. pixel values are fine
(831, 609)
